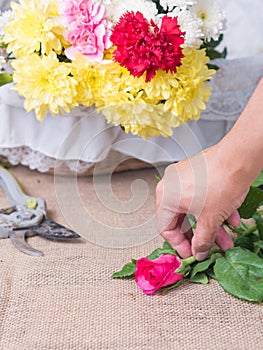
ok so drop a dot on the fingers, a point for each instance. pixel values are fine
(234, 219)
(206, 235)
(173, 227)
(203, 238)
(178, 242)
(223, 240)
(179, 236)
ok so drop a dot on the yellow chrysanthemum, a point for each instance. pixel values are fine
(91, 79)
(159, 86)
(189, 86)
(140, 118)
(120, 86)
(34, 28)
(126, 104)
(45, 83)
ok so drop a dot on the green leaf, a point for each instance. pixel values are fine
(4, 46)
(211, 50)
(192, 220)
(259, 180)
(259, 222)
(127, 270)
(212, 66)
(158, 178)
(204, 265)
(240, 273)
(210, 273)
(165, 290)
(5, 78)
(246, 242)
(184, 269)
(259, 244)
(167, 245)
(213, 54)
(160, 251)
(215, 43)
(242, 229)
(224, 53)
(200, 278)
(252, 201)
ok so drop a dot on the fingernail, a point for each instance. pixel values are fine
(201, 255)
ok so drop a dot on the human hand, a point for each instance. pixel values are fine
(207, 188)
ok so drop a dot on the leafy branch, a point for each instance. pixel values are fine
(239, 271)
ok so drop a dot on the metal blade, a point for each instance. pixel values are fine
(51, 229)
(19, 241)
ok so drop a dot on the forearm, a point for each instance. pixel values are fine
(242, 148)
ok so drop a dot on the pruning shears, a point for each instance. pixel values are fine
(27, 217)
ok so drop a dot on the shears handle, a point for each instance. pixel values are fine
(15, 193)
(26, 211)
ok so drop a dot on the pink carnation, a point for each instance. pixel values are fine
(88, 29)
(143, 47)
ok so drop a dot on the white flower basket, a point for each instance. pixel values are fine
(83, 142)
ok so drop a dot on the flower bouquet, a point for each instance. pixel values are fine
(143, 65)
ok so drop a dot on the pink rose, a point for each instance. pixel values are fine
(150, 275)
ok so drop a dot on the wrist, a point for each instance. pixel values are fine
(242, 148)
(239, 161)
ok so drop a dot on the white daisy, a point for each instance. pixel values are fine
(212, 16)
(115, 8)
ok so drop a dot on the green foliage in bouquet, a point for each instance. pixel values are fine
(212, 52)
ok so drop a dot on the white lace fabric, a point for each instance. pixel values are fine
(36, 160)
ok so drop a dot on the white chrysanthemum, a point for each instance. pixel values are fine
(4, 19)
(212, 16)
(189, 24)
(115, 8)
(170, 4)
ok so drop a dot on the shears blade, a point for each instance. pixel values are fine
(53, 230)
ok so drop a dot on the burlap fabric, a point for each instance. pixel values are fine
(66, 300)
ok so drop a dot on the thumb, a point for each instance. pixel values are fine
(204, 238)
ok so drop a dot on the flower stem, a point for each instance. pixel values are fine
(188, 261)
(250, 230)
(242, 232)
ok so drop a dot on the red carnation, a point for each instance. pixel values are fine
(143, 47)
